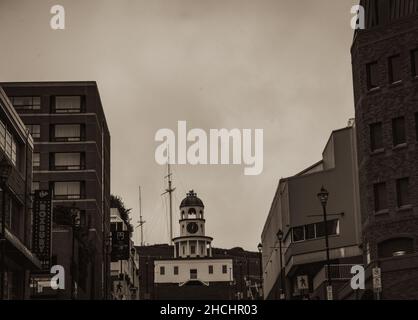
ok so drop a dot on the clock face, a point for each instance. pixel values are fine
(192, 227)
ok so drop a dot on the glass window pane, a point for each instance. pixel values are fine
(376, 138)
(402, 186)
(395, 69)
(298, 234)
(398, 128)
(68, 160)
(320, 230)
(380, 201)
(66, 104)
(68, 131)
(310, 231)
(372, 75)
(333, 227)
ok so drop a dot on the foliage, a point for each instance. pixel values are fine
(117, 202)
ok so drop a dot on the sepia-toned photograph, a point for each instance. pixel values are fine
(248, 153)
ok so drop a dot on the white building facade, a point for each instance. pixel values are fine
(192, 257)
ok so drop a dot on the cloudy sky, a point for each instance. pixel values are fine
(279, 65)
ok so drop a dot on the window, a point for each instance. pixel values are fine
(398, 131)
(416, 126)
(310, 231)
(192, 213)
(192, 249)
(34, 130)
(67, 161)
(116, 226)
(210, 269)
(376, 138)
(402, 191)
(224, 269)
(162, 270)
(67, 104)
(35, 186)
(395, 247)
(320, 230)
(26, 103)
(333, 227)
(8, 143)
(395, 69)
(372, 75)
(380, 202)
(67, 190)
(36, 160)
(193, 274)
(67, 132)
(298, 234)
(176, 270)
(414, 60)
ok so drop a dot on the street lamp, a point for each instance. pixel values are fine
(75, 223)
(260, 250)
(323, 198)
(279, 236)
(5, 171)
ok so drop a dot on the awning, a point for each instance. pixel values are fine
(19, 252)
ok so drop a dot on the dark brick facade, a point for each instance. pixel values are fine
(386, 38)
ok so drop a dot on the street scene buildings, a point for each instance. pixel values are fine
(66, 235)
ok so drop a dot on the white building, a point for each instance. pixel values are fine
(192, 260)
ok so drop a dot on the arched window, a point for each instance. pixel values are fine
(182, 214)
(192, 213)
(395, 247)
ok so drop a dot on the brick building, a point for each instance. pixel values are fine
(385, 77)
(71, 158)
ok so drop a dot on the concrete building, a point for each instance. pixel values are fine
(385, 79)
(124, 273)
(16, 258)
(71, 158)
(297, 212)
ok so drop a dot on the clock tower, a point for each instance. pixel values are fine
(192, 242)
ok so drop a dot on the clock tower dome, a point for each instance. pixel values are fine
(192, 242)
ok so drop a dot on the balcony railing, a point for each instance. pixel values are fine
(68, 167)
(68, 139)
(337, 271)
(68, 196)
(66, 110)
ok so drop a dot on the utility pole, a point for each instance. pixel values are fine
(170, 190)
(141, 222)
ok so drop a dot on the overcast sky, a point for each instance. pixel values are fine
(279, 65)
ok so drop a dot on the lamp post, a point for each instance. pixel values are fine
(260, 250)
(323, 198)
(282, 280)
(5, 171)
(75, 223)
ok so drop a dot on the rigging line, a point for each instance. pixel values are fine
(164, 200)
(178, 177)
